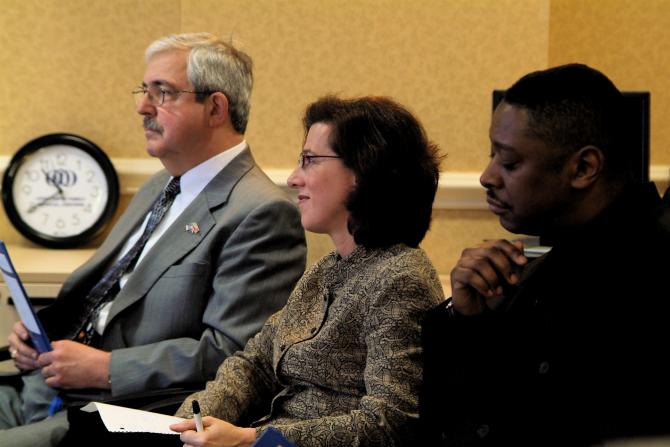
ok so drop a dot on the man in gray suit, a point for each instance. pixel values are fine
(224, 257)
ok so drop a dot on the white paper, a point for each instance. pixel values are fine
(130, 420)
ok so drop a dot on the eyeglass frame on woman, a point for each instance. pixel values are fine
(146, 89)
(303, 156)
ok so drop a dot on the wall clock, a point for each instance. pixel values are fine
(60, 190)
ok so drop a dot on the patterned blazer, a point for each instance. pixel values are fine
(340, 364)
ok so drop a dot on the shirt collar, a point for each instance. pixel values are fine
(194, 180)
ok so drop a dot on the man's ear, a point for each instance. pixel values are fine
(587, 166)
(218, 109)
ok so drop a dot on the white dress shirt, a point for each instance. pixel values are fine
(191, 184)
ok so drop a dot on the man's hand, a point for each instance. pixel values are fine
(25, 357)
(72, 365)
(478, 278)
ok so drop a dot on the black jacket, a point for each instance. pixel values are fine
(578, 354)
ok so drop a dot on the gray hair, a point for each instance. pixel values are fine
(214, 66)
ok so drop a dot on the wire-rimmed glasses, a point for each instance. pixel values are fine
(157, 94)
(305, 160)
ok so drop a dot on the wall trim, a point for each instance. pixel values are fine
(456, 190)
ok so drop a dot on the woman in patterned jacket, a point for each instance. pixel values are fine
(339, 365)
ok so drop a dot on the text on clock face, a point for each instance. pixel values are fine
(60, 190)
(60, 177)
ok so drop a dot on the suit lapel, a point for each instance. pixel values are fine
(105, 254)
(181, 242)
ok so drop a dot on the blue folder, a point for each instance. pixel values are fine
(23, 306)
(272, 438)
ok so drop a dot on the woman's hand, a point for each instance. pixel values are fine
(216, 433)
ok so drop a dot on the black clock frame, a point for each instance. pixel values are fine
(68, 140)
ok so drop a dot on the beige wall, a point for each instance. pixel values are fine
(627, 39)
(69, 66)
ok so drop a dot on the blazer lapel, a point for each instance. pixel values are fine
(106, 253)
(164, 255)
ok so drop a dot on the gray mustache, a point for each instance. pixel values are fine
(150, 124)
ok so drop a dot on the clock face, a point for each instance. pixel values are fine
(59, 190)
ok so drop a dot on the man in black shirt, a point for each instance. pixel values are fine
(568, 349)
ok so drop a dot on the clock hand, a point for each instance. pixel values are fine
(51, 182)
(44, 201)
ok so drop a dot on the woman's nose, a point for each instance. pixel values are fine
(294, 180)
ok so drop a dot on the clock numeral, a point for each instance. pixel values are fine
(60, 183)
(32, 175)
(45, 164)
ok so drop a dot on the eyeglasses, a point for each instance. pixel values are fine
(305, 160)
(157, 94)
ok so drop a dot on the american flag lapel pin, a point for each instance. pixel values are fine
(193, 228)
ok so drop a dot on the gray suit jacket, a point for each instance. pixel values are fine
(195, 298)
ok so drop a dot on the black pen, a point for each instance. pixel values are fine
(196, 416)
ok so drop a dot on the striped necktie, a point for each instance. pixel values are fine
(107, 288)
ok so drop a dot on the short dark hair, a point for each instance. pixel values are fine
(572, 106)
(396, 167)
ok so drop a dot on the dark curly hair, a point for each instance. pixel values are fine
(396, 167)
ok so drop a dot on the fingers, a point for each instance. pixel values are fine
(488, 267)
(24, 355)
(20, 330)
(20, 361)
(505, 260)
(183, 426)
(52, 376)
(483, 271)
(74, 365)
(190, 437)
(478, 274)
(24, 363)
(23, 352)
(507, 255)
(55, 378)
(18, 344)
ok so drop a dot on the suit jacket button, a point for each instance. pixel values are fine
(544, 368)
(313, 330)
(483, 430)
(282, 347)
